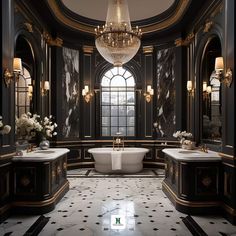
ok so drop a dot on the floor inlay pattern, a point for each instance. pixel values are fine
(115, 206)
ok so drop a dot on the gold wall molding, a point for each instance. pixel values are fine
(88, 49)
(52, 42)
(217, 11)
(148, 49)
(208, 25)
(185, 42)
(87, 28)
(29, 27)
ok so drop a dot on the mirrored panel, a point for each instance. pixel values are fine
(211, 95)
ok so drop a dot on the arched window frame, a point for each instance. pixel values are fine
(118, 102)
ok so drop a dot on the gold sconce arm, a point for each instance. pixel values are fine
(17, 69)
(148, 95)
(190, 88)
(225, 78)
(87, 94)
(45, 87)
(8, 77)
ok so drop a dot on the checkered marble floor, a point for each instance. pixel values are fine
(115, 206)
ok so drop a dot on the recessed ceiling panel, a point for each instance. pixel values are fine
(138, 9)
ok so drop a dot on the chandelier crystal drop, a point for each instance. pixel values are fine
(116, 41)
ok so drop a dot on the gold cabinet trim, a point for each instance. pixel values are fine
(45, 202)
(189, 203)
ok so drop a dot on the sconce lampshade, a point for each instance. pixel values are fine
(219, 63)
(204, 86)
(208, 89)
(30, 88)
(46, 85)
(189, 85)
(17, 65)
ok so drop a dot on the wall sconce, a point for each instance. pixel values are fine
(218, 73)
(45, 87)
(17, 69)
(148, 95)
(206, 90)
(86, 94)
(30, 91)
(190, 88)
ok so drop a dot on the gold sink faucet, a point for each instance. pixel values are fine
(204, 148)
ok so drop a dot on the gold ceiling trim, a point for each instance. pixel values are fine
(86, 28)
(148, 49)
(68, 21)
(88, 49)
(180, 9)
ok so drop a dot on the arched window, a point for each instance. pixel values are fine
(118, 102)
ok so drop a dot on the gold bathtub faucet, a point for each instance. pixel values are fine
(118, 142)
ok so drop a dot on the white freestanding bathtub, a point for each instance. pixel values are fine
(131, 159)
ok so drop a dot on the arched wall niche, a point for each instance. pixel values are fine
(27, 49)
(208, 91)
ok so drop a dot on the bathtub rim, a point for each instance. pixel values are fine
(107, 150)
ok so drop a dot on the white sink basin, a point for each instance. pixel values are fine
(188, 152)
(45, 152)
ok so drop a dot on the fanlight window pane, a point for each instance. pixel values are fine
(108, 74)
(114, 70)
(130, 82)
(118, 81)
(105, 81)
(121, 71)
(127, 74)
(118, 91)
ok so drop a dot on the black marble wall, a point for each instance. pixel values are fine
(70, 93)
(166, 116)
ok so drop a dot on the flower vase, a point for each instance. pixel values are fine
(44, 144)
(21, 145)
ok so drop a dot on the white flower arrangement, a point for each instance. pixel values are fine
(48, 127)
(27, 125)
(4, 129)
(182, 135)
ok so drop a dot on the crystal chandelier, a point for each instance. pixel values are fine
(116, 41)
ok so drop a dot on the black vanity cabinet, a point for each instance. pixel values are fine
(192, 180)
(39, 180)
